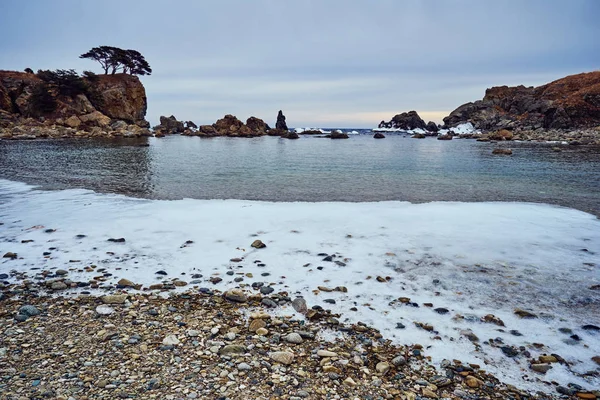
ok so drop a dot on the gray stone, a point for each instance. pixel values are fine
(58, 285)
(29, 310)
(299, 305)
(294, 338)
(282, 357)
(244, 367)
(232, 349)
(399, 360)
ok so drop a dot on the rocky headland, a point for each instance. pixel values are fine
(47, 105)
(567, 109)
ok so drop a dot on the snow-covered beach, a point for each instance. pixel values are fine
(495, 284)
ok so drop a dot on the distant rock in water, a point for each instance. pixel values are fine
(406, 121)
(169, 126)
(257, 125)
(568, 103)
(231, 126)
(280, 124)
(432, 127)
(338, 135)
(379, 136)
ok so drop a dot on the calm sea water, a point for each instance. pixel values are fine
(311, 169)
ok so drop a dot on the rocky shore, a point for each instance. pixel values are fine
(207, 344)
(105, 337)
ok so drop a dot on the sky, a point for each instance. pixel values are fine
(325, 63)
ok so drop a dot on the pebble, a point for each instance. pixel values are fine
(299, 305)
(170, 340)
(294, 338)
(114, 299)
(29, 310)
(58, 285)
(399, 361)
(266, 290)
(104, 310)
(541, 368)
(382, 367)
(326, 353)
(244, 367)
(282, 357)
(236, 295)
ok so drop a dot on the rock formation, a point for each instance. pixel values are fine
(280, 124)
(568, 103)
(231, 126)
(338, 135)
(29, 108)
(432, 127)
(406, 121)
(169, 125)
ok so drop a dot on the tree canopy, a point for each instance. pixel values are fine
(114, 59)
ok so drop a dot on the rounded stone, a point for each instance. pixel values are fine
(282, 357)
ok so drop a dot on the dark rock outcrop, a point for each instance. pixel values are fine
(290, 135)
(338, 135)
(231, 126)
(432, 127)
(506, 152)
(379, 136)
(280, 124)
(169, 126)
(405, 121)
(276, 132)
(257, 125)
(568, 103)
(190, 125)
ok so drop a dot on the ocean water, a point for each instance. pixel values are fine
(312, 169)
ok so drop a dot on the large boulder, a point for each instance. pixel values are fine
(405, 121)
(229, 125)
(207, 130)
(169, 125)
(257, 126)
(95, 118)
(338, 135)
(280, 124)
(432, 127)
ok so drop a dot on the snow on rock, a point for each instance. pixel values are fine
(448, 266)
(462, 129)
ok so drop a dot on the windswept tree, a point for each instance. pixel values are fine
(114, 59)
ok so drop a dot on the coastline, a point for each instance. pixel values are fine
(224, 252)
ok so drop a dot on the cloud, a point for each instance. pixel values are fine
(335, 62)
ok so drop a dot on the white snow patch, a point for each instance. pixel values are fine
(462, 129)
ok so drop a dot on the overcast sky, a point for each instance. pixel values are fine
(326, 63)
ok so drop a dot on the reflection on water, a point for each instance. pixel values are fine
(117, 166)
(311, 169)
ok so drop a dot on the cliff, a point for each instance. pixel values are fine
(569, 103)
(113, 103)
